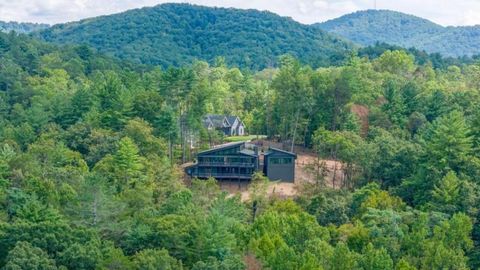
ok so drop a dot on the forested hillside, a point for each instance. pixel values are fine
(176, 34)
(21, 27)
(89, 148)
(372, 26)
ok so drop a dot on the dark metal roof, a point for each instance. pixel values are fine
(248, 152)
(231, 119)
(207, 122)
(271, 150)
(221, 147)
(218, 120)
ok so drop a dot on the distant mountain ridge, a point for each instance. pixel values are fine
(396, 28)
(21, 27)
(177, 34)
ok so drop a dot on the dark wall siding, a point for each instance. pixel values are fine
(275, 171)
(236, 162)
(224, 163)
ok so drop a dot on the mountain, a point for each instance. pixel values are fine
(371, 26)
(21, 27)
(176, 34)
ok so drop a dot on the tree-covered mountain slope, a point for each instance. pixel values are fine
(371, 26)
(91, 151)
(21, 27)
(176, 34)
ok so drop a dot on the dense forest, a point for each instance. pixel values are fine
(177, 34)
(436, 60)
(21, 27)
(372, 26)
(90, 148)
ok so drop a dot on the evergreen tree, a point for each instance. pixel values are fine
(446, 195)
(395, 105)
(373, 259)
(127, 162)
(449, 146)
(150, 259)
(26, 256)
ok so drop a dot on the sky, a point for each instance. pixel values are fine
(444, 12)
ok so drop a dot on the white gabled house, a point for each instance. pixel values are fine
(230, 125)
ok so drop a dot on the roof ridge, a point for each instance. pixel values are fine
(221, 146)
(282, 151)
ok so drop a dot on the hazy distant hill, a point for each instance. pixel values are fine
(371, 26)
(176, 34)
(21, 27)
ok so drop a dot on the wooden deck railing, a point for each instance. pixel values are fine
(224, 175)
(227, 164)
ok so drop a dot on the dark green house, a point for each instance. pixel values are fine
(238, 161)
(233, 161)
(279, 165)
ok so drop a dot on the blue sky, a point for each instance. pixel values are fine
(444, 12)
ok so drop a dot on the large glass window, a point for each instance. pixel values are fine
(239, 160)
(280, 160)
(228, 151)
(211, 160)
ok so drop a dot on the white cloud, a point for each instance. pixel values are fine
(303, 7)
(445, 12)
(320, 4)
(470, 18)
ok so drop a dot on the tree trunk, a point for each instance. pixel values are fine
(94, 212)
(307, 127)
(295, 130)
(183, 140)
(334, 155)
(170, 148)
(334, 172)
(336, 110)
(254, 209)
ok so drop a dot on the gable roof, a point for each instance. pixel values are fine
(207, 122)
(220, 121)
(231, 119)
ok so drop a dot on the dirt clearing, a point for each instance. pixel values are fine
(305, 172)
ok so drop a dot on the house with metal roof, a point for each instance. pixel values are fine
(279, 165)
(238, 161)
(230, 125)
(232, 161)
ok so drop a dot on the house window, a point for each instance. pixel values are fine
(239, 160)
(228, 151)
(280, 160)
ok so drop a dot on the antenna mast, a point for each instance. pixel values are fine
(375, 4)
